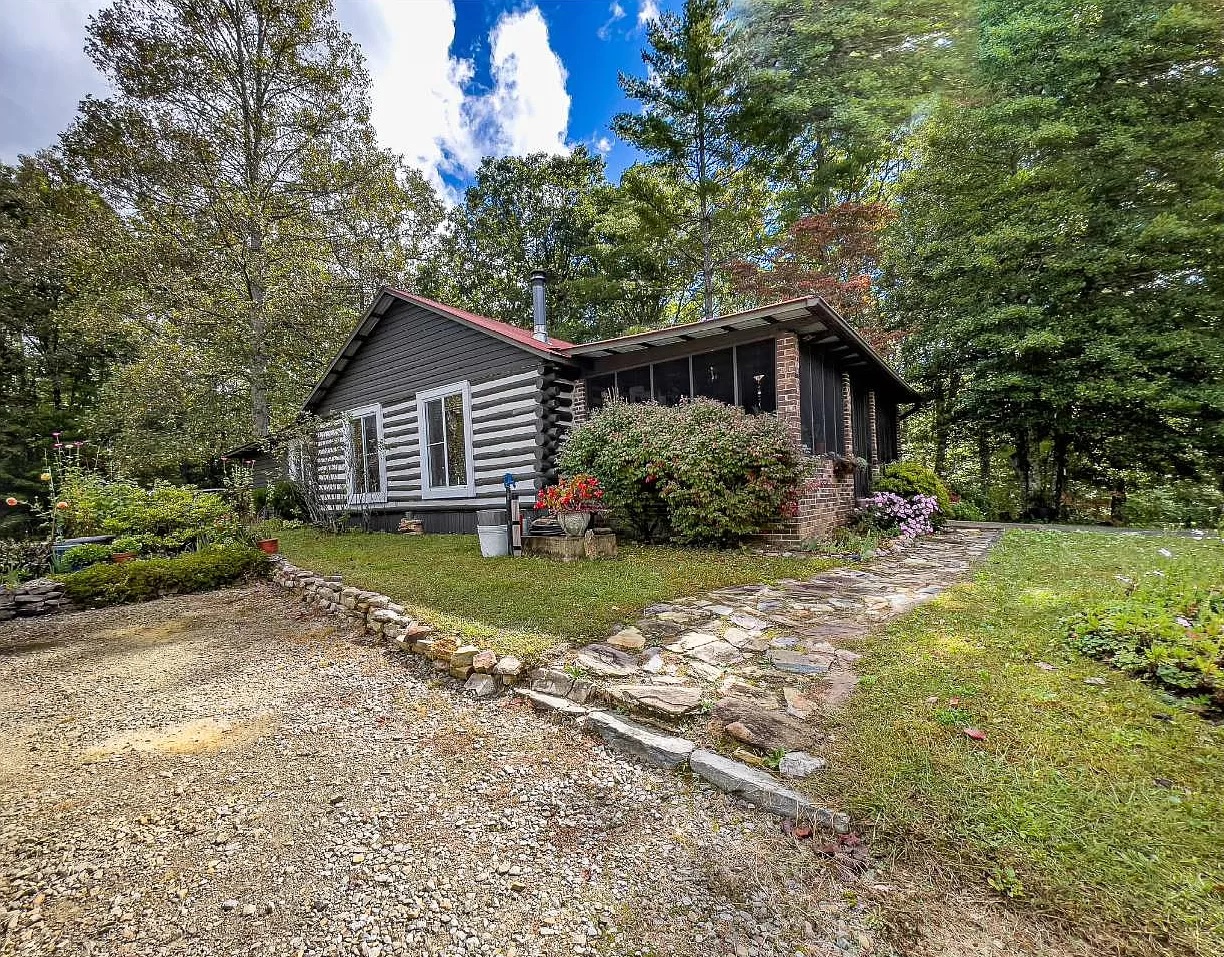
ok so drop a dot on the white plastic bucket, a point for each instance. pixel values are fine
(493, 542)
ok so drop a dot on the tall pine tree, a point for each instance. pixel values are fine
(704, 193)
(1061, 242)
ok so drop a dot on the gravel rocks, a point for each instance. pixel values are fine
(345, 803)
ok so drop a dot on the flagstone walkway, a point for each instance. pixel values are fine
(756, 664)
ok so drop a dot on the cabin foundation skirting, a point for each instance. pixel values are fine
(826, 502)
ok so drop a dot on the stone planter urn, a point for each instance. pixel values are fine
(574, 524)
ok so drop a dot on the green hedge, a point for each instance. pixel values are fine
(145, 579)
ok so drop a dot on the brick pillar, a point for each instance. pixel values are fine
(847, 416)
(873, 435)
(786, 382)
(578, 402)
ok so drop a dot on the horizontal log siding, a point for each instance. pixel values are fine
(504, 424)
(412, 349)
(554, 419)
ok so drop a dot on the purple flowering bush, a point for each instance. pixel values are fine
(908, 518)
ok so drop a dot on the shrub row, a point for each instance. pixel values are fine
(151, 578)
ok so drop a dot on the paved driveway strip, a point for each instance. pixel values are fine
(224, 774)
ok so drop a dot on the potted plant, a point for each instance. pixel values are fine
(573, 501)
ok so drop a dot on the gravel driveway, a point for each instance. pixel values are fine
(230, 774)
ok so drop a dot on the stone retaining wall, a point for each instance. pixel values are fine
(42, 596)
(482, 670)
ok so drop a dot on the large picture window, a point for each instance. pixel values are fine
(366, 459)
(445, 417)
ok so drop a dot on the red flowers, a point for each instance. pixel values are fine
(10, 502)
(580, 493)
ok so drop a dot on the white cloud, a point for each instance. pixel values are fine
(424, 104)
(44, 71)
(648, 12)
(604, 145)
(615, 12)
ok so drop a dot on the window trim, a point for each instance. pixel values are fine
(365, 498)
(429, 395)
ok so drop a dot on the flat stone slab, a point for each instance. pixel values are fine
(796, 663)
(628, 639)
(719, 653)
(800, 764)
(798, 705)
(756, 787)
(607, 661)
(672, 700)
(548, 702)
(758, 722)
(748, 622)
(691, 640)
(660, 750)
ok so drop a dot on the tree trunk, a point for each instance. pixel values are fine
(940, 428)
(1062, 446)
(984, 476)
(1117, 503)
(1023, 465)
(261, 412)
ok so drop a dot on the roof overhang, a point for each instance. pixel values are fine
(811, 318)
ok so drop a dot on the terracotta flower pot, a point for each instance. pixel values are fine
(269, 545)
(120, 557)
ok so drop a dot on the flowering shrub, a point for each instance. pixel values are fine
(580, 493)
(908, 479)
(175, 514)
(698, 473)
(1174, 639)
(907, 517)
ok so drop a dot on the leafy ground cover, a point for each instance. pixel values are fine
(527, 605)
(1101, 803)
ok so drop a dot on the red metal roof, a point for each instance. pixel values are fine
(497, 327)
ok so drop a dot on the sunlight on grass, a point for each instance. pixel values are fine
(1108, 802)
(527, 606)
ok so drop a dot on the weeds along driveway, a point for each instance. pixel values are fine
(221, 774)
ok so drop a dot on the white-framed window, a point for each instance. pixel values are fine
(444, 417)
(365, 457)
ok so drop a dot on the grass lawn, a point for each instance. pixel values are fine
(527, 605)
(1080, 802)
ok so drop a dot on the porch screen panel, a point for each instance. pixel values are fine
(714, 376)
(819, 401)
(633, 385)
(597, 387)
(886, 428)
(671, 381)
(755, 364)
(861, 425)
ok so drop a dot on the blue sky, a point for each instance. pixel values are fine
(453, 80)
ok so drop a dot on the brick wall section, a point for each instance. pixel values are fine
(578, 402)
(786, 382)
(826, 500)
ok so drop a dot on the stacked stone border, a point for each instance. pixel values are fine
(41, 596)
(484, 674)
